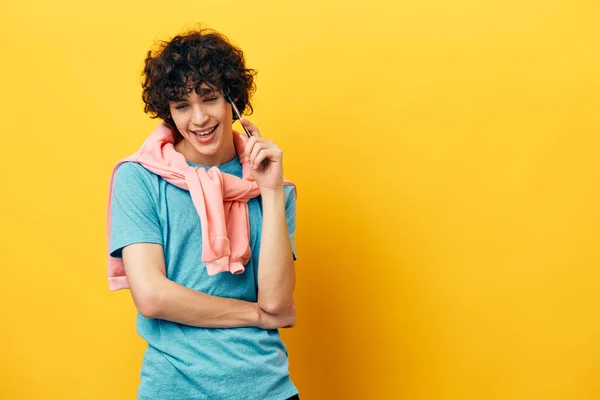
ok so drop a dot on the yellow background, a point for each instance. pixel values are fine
(447, 158)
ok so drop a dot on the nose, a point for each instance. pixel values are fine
(199, 116)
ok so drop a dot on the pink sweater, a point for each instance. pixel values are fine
(220, 200)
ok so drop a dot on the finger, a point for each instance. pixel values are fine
(251, 127)
(265, 153)
(258, 145)
(260, 157)
(250, 145)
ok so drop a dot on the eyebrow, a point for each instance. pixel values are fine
(206, 91)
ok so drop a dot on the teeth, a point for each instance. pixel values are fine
(205, 133)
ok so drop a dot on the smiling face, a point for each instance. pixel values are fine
(204, 120)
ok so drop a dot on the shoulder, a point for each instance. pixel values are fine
(131, 171)
(132, 177)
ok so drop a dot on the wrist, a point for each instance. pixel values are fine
(256, 317)
(261, 316)
(268, 191)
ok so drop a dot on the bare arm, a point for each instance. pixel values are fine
(155, 296)
(276, 274)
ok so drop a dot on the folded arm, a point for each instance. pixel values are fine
(155, 296)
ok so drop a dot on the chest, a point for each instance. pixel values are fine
(182, 238)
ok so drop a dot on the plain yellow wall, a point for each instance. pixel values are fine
(447, 158)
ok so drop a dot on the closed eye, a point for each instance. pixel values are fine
(179, 107)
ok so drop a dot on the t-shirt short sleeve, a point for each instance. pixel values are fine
(134, 216)
(290, 212)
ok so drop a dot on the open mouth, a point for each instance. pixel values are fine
(205, 134)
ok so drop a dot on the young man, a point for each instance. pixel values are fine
(201, 230)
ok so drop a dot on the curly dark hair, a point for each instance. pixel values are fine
(189, 59)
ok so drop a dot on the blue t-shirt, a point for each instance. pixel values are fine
(182, 361)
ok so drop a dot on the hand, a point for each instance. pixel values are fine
(286, 319)
(265, 159)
